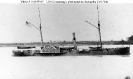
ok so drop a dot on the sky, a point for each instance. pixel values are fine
(59, 21)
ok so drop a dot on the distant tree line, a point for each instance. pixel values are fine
(128, 41)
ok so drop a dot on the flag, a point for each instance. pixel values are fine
(27, 23)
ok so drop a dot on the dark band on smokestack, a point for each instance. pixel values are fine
(74, 36)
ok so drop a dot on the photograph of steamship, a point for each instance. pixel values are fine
(66, 41)
(72, 47)
(69, 30)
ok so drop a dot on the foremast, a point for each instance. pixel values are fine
(40, 29)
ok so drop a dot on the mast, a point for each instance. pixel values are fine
(99, 28)
(40, 28)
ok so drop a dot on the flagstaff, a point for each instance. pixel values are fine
(40, 28)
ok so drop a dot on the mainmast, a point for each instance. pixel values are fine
(99, 28)
(40, 29)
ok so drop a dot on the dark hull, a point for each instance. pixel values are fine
(22, 53)
(24, 47)
(18, 54)
(107, 51)
(35, 53)
(93, 51)
(48, 54)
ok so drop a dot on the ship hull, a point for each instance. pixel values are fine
(19, 53)
(48, 54)
(92, 51)
(23, 53)
(107, 51)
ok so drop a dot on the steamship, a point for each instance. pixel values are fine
(50, 50)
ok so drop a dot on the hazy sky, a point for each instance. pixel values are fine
(59, 21)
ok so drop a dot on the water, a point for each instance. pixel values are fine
(65, 67)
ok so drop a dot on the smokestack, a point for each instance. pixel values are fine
(74, 41)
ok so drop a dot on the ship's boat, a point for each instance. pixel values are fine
(66, 49)
(25, 47)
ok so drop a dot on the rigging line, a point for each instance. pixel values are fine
(32, 25)
(91, 24)
(97, 27)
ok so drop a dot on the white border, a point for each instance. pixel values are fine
(45, 1)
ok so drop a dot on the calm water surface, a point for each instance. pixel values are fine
(65, 67)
